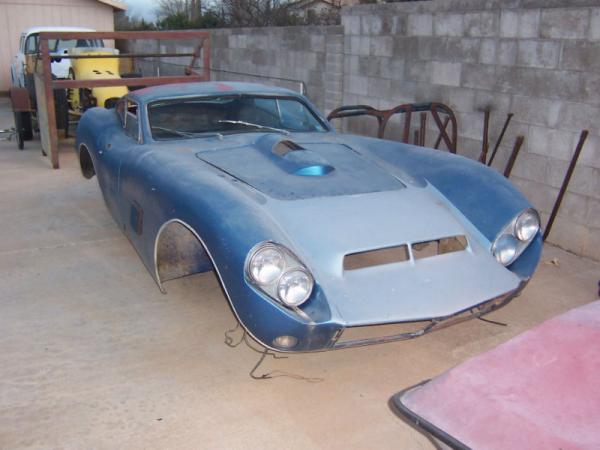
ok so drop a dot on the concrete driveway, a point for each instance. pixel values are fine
(92, 355)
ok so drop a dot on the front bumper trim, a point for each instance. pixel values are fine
(472, 312)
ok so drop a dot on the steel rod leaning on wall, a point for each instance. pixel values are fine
(509, 116)
(513, 156)
(485, 141)
(565, 183)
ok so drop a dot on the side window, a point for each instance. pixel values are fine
(131, 123)
(294, 115)
(22, 44)
(120, 109)
(31, 45)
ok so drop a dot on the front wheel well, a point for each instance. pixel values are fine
(178, 251)
(85, 162)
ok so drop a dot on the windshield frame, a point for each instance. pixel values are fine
(321, 120)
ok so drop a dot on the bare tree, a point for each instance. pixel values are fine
(191, 9)
(257, 13)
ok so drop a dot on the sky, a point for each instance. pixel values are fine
(141, 8)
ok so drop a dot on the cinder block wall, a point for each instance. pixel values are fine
(312, 54)
(539, 59)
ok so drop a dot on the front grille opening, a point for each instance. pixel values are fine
(442, 246)
(378, 257)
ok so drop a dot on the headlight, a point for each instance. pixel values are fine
(515, 236)
(294, 287)
(266, 265)
(505, 249)
(277, 272)
(527, 225)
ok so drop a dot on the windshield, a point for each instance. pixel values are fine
(59, 45)
(65, 44)
(186, 118)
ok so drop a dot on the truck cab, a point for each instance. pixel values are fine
(24, 61)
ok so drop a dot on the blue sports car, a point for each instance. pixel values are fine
(313, 234)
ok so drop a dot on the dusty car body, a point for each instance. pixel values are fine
(311, 232)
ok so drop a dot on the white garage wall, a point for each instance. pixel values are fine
(17, 15)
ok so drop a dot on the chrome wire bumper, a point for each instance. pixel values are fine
(434, 324)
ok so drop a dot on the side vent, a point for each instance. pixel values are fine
(282, 148)
(428, 249)
(136, 218)
(378, 257)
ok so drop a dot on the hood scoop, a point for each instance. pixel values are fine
(289, 170)
(297, 160)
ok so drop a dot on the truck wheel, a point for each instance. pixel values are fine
(62, 108)
(23, 128)
(19, 130)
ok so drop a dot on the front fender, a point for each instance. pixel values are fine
(229, 219)
(485, 197)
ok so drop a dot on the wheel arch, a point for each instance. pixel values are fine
(214, 267)
(86, 162)
(179, 251)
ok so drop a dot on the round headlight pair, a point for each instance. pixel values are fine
(527, 225)
(280, 275)
(516, 236)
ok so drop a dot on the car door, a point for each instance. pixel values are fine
(111, 149)
(132, 190)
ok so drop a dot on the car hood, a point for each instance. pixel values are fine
(285, 170)
(322, 231)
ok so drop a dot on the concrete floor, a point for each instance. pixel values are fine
(94, 356)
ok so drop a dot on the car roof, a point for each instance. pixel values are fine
(182, 90)
(33, 30)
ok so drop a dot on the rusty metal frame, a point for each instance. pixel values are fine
(383, 117)
(202, 49)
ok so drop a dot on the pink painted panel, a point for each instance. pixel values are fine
(538, 390)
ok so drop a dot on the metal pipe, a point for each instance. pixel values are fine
(504, 127)
(443, 130)
(142, 81)
(422, 130)
(451, 143)
(291, 80)
(485, 142)
(127, 35)
(566, 181)
(406, 133)
(121, 55)
(513, 156)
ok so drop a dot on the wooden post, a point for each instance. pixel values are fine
(49, 96)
